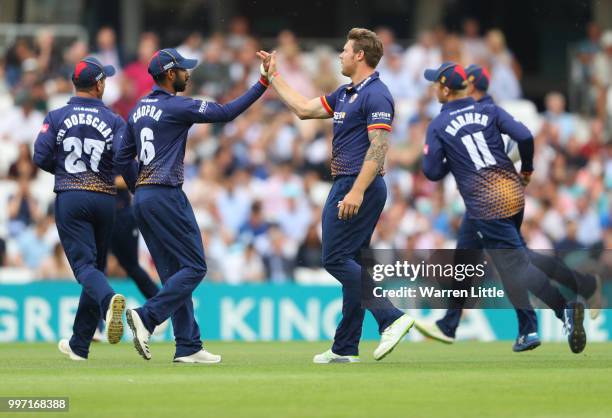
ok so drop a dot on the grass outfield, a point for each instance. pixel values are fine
(427, 379)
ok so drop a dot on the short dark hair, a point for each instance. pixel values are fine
(159, 78)
(87, 87)
(367, 41)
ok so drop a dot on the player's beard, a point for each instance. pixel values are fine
(179, 84)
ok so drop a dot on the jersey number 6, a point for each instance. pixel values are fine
(147, 149)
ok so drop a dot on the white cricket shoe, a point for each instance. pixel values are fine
(114, 319)
(392, 335)
(331, 357)
(161, 328)
(595, 301)
(98, 336)
(201, 356)
(140, 332)
(64, 347)
(433, 331)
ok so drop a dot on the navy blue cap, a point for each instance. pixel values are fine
(478, 76)
(168, 58)
(448, 74)
(90, 70)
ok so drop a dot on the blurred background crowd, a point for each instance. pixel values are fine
(258, 184)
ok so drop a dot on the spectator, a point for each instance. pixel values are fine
(137, 71)
(310, 251)
(473, 45)
(192, 46)
(394, 76)
(16, 55)
(34, 244)
(23, 209)
(581, 71)
(56, 266)
(589, 232)
(387, 37)
(504, 84)
(108, 53)
(569, 242)
(279, 257)
(21, 124)
(425, 53)
(256, 224)
(49, 55)
(244, 266)
(212, 76)
(238, 32)
(602, 75)
(556, 115)
(23, 167)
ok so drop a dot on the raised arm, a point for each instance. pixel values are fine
(302, 107)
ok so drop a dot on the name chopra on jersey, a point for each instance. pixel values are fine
(86, 119)
(468, 118)
(147, 110)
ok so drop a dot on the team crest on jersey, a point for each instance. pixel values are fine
(426, 149)
(44, 128)
(353, 98)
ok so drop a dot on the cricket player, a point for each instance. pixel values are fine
(445, 328)
(466, 140)
(362, 113)
(157, 134)
(76, 144)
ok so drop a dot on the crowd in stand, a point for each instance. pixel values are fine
(257, 184)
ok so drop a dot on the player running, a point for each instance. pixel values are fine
(445, 328)
(76, 144)
(362, 113)
(157, 134)
(466, 140)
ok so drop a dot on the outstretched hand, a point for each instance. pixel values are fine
(268, 61)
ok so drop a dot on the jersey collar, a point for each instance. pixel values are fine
(158, 90)
(458, 104)
(85, 101)
(351, 89)
(486, 99)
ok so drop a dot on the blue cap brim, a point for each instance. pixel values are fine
(431, 75)
(188, 64)
(109, 70)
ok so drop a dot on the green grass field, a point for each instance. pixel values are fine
(469, 379)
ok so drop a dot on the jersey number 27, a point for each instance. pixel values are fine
(73, 145)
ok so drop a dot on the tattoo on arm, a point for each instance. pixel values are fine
(379, 144)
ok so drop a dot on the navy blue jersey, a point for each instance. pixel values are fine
(157, 131)
(466, 139)
(357, 110)
(77, 143)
